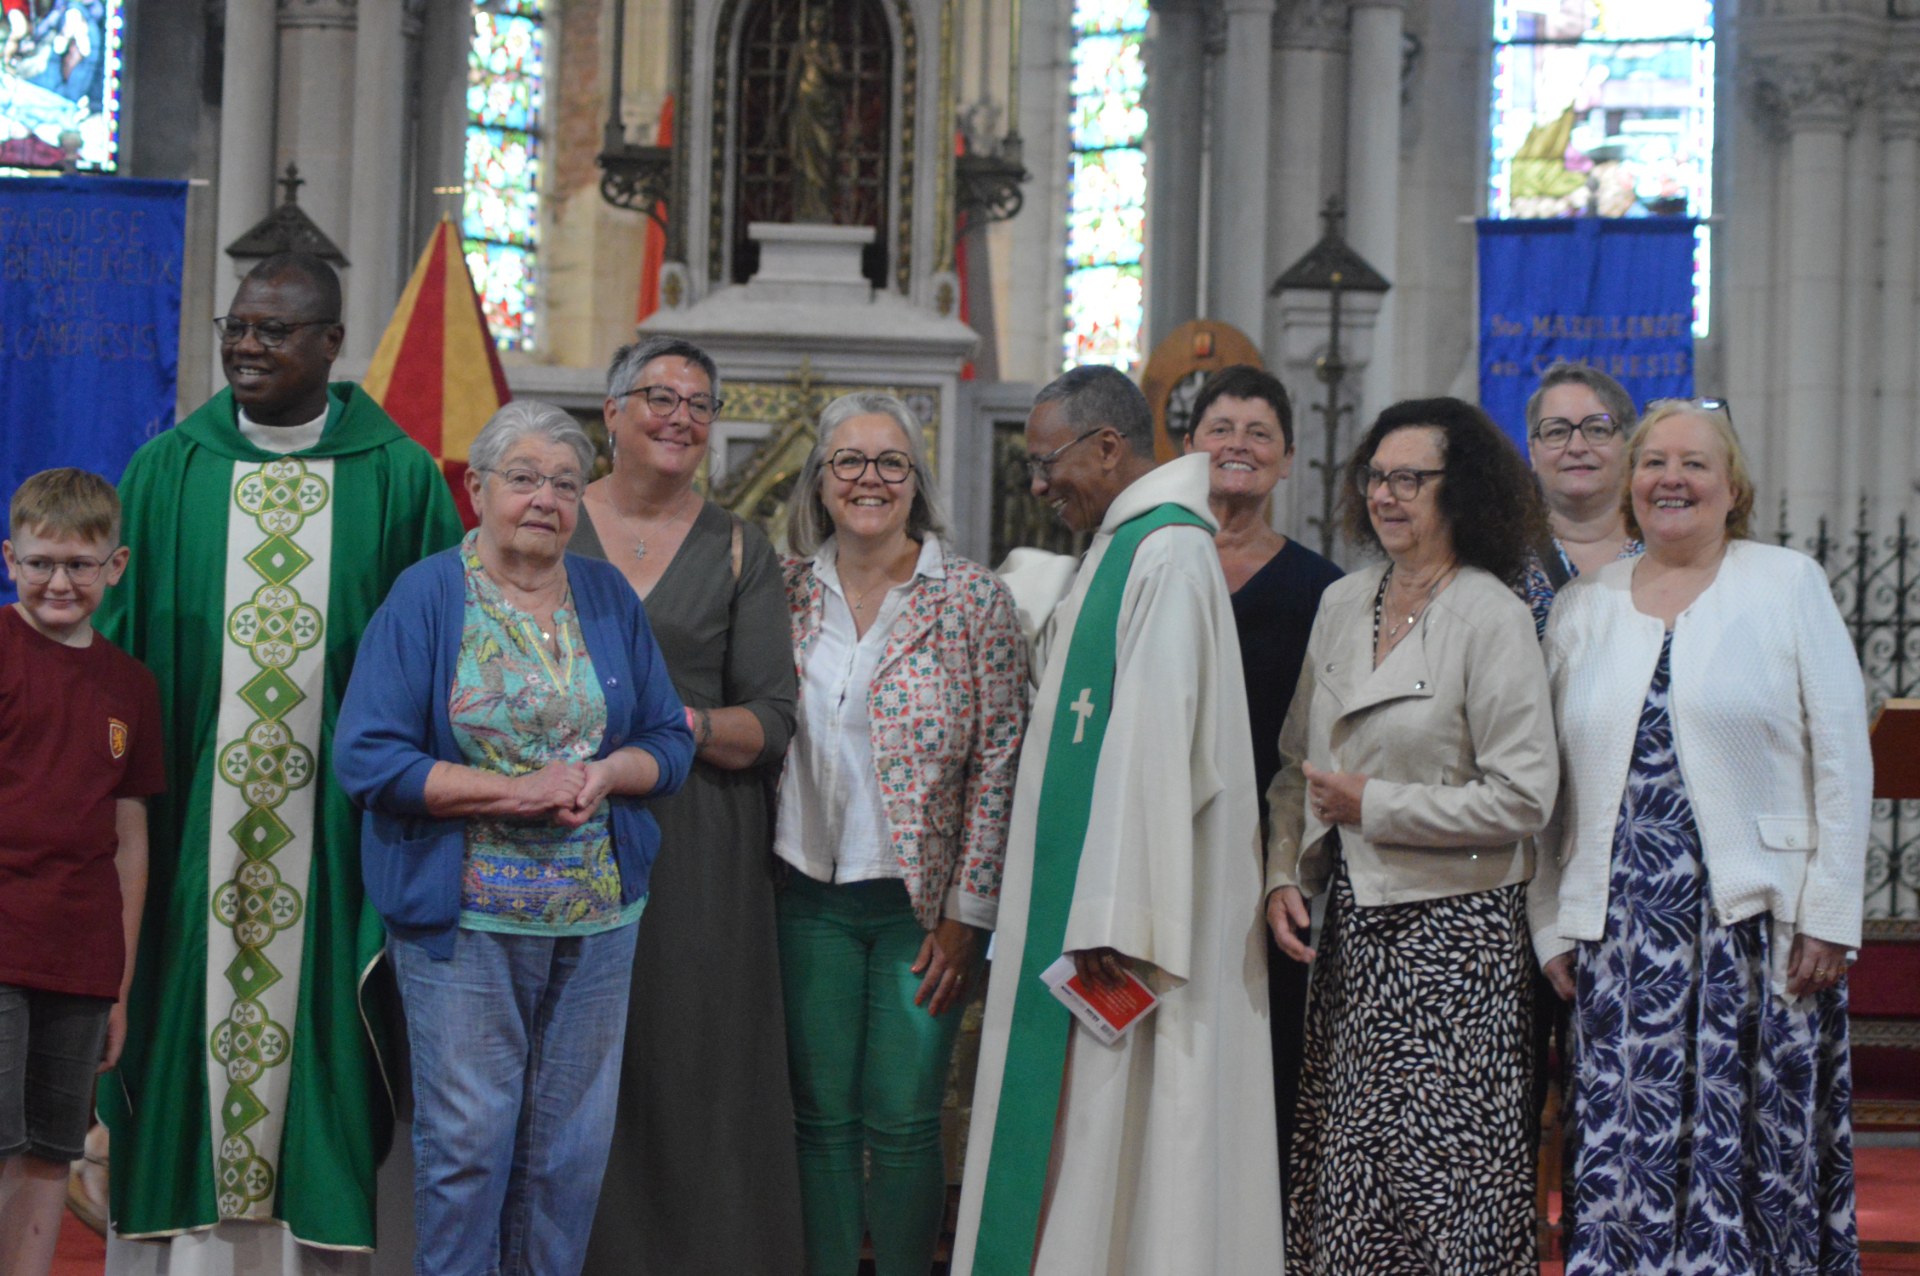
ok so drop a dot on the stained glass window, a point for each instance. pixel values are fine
(1604, 108)
(1107, 199)
(60, 68)
(500, 218)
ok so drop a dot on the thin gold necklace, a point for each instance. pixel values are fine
(1402, 626)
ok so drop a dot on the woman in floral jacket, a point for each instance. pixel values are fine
(893, 816)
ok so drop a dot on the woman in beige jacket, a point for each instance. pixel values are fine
(1418, 759)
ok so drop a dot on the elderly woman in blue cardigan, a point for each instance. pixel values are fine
(507, 718)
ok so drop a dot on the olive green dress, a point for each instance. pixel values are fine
(702, 1176)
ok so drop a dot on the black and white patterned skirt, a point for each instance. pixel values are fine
(1411, 1150)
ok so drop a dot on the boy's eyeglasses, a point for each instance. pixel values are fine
(80, 571)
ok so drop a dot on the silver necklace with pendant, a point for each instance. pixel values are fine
(640, 541)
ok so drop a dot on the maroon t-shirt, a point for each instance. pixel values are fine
(79, 728)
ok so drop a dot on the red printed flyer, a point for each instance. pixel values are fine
(1108, 1014)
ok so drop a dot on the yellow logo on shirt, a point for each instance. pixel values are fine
(117, 737)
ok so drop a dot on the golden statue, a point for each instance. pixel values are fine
(815, 117)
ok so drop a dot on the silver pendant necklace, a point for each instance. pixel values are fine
(639, 540)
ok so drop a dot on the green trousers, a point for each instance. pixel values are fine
(869, 1072)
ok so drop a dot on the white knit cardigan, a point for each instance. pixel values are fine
(1770, 735)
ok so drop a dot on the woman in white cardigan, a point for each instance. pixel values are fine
(1699, 891)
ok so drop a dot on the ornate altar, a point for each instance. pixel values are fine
(810, 148)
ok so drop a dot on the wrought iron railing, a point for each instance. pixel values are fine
(1875, 576)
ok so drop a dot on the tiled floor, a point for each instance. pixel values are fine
(1889, 1185)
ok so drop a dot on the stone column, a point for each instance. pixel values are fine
(1176, 91)
(1746, 263)
(379, 149)
(1237, 275)
(317, 108)
(1897, 456)
(245, 191)
(1309, 37)
(1818, 95)
(1373, 173)
(1857, 412)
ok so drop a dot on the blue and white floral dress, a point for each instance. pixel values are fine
(1710, 1128)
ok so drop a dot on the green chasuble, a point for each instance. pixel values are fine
(251, 1085)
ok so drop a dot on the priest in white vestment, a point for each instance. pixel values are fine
(1160, 1156)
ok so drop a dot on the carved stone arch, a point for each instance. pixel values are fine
(895, 223)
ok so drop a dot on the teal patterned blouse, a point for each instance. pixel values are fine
(516, 706)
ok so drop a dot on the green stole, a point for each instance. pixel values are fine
(1036, 1059)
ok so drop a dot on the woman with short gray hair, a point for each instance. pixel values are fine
(508, 713)
(678, 1181)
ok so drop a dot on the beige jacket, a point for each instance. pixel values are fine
(1454, 732)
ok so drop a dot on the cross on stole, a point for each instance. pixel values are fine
(1083, 709)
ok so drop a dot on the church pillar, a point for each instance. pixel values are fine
(1373, 175)
(1898, 454)
(1308, 37)
(1819, 96)
(373, 239)
(1176, 78)
(245, 191)
(317, 105)
(1857, 410)
(1237, 210)
(1748, 278)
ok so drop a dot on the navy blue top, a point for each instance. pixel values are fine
(394, 727)
(1273, 615)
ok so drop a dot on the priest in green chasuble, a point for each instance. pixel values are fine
(1132, 849)
(250, 1106)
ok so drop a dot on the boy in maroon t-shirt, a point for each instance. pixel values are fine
(80, 752)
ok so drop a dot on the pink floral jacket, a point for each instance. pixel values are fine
(947, 709)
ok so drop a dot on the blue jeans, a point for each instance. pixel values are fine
(516, 1061)
(869, 1072)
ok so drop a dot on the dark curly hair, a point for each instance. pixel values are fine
(1488, 496)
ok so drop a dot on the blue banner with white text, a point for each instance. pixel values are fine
(90, 273)
(1616, 293)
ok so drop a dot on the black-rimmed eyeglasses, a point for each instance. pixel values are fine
(1555, 432)
(848, 465)
(664, 400)
(1404, 484)
(268, 332)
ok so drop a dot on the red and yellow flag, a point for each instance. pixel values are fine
(436, 371)
(656, 247)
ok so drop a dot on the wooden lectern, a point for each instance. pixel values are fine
(1884, 988)
(1896, 750)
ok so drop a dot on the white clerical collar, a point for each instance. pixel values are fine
(283, 439)
(1183, 481)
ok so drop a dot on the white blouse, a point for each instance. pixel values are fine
(830, 801)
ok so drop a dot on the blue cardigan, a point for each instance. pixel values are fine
(394, 727)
